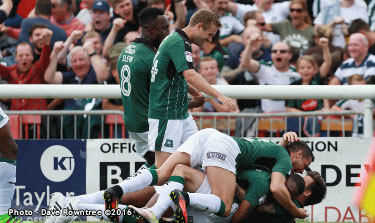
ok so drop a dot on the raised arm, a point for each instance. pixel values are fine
(97, 62)
(51, 76)
(326, 66)
(118, 24)
(282, 196)
(181, 11)
(75, 35)
(247, 60)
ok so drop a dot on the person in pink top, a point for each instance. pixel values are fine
(63, 17)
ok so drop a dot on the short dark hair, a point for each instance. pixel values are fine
(205, 16)
(295, 185)
(318, 188)
(43, 7)
(301, 146)
(358, 25)
(148, 16)
(36, 26)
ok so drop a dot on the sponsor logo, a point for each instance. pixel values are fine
(57, 163)
(189, 57)
(216, 155)
(168, 143)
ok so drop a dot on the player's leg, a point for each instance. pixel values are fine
(141, 147)
(8, 157)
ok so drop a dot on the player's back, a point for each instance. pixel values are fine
(262, 153)
(134, 69)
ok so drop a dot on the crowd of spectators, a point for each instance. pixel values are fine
(261, 42)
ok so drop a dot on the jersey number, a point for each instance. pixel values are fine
(125, 80)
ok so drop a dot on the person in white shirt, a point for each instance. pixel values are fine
(276, 73)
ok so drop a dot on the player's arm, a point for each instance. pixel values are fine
(281, 194)
(243, 212)
(51, 76)
(197, 81)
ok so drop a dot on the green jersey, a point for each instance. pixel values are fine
(169, 89)
(279, 215)
(257, 183)
(134, 66)
(262, 154)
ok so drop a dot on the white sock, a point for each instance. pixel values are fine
(206, 202)
(7, 185)
(100, 207)
(93, 198)
(139, 181)
(164, 201)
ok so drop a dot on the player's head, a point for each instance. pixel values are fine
(316, 188)
(205, 24)
(300, 155)
(295, 185)
(154, 25)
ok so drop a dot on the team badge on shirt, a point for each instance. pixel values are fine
(189, 57)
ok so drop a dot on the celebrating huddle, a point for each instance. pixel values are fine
(205, 175)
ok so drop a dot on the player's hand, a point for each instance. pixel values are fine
(46, 36)
(230, 103)
(118, 24)
(323, 42)
(197, 101)
(291, 137)
(76, 35)
(302, 213)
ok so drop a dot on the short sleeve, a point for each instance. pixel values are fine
(181, 56)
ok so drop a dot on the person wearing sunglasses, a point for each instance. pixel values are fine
(277, 72)
(298, 32)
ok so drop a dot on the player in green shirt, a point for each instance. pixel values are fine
(171, 74)
(220, 155)
(134, 66)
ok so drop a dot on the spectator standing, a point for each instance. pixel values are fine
(63, 17)
(360, 61)
(101, 19)
(298, 32)
(87, 68)
(311, 74)
(27, 72)
(277, 72)
(43, 9)
(125, 10)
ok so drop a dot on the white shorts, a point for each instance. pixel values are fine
(210, 147)
(3, 118)
(140, 141)
(168, 135)
(198, 216)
